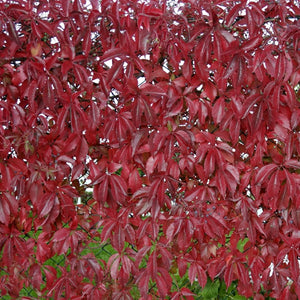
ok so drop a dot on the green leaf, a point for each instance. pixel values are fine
(241, 244)
(119, 171)
(238, 297)
(211, 290)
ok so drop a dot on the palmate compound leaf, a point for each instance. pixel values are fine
(64, 285)
(196, 270)
(164, 282)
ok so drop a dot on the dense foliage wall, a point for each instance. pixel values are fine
(181, 118)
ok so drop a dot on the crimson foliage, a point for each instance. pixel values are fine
(182, 117)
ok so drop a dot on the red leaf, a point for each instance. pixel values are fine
(184, 138)
(107, 229)
(47, 203)
(36, 276)
(292, 163)
(143, 283)
(114, 72)
(101, 190)
(170, 232)
(12, 31)
(289, 67)
(280, 67)
(114, 263)
(61, 234)
(186, 292)
(192, 272)
(252, 43)
(264, 173)
(196, 195)
(95, 115)
(66, 66)
(77, 171)
(202, 278)
(152, 90)
(32, 89)
(151, 163)
(134, 181)
(87, 42)
(83, 150)
(218, 110)
(228, 275)
(233, 66)
(162, 285)
(113, 167)
(4, 211)
(232, 14)
(182, 266)
(126, 264)
(118, 239)
(210, 91)
(209, 163)
(19, 77)
(45, 26)
(118, 188)
(248, 104)
(48, 95)
(8, 252)
(243, 274)
(65, 158)
(112, 53)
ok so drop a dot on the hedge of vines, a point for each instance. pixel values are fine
(167, 130)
